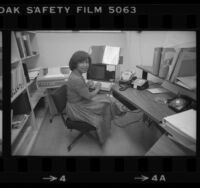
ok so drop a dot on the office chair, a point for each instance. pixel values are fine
(59, 97)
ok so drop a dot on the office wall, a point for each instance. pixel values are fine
(56, 48)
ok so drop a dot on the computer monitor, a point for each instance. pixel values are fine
(97, 72)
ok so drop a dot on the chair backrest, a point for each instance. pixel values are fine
(59, 97)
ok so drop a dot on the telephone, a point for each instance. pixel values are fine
(127, 77)
(180, 103)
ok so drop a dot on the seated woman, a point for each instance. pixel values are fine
(83, 105)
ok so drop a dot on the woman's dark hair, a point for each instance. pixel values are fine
(78, 57)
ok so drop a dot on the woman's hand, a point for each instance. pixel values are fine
(90, 84)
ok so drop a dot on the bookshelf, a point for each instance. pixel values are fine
(28, 104)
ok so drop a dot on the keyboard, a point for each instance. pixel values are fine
(105, 86)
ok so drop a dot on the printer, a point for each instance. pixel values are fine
(53, 77)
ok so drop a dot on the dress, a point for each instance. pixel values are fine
(97, 111)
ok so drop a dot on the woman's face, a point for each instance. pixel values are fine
(83, 66)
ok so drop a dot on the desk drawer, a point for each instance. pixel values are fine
(123, 101)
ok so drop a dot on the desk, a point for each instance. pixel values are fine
(145, 101)
(167, 147)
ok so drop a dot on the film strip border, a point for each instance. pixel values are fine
(92, 169)
(117, 169)
(111, 17)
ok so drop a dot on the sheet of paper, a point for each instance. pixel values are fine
(110, 68)
(158, 90)
(183, 121)
(111, 55)
(53, 71)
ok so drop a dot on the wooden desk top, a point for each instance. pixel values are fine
(145, 101)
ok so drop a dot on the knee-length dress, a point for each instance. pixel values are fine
(97, 111)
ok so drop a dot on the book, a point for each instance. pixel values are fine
(20, 45)
(27, 44)
(26, 72)
(166, 60)
(156, 60)
(173, 63)
(185, 66)
(183, 123)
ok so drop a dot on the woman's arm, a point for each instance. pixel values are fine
(82, 89)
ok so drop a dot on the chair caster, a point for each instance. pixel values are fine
(69, 148)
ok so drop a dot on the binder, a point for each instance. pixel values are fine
(20, 44)
(26, 72)
(13, 79)
(156, 60)
(27, 44)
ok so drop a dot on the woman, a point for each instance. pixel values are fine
(91, 107)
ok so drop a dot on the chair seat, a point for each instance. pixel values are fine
(79, 125)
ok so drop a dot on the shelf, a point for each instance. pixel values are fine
(148, 69)
(17, 131)
(30, 57)
(15, 61)
(17, 94)
(30, 32)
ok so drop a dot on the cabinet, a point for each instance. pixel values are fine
(28, 104)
